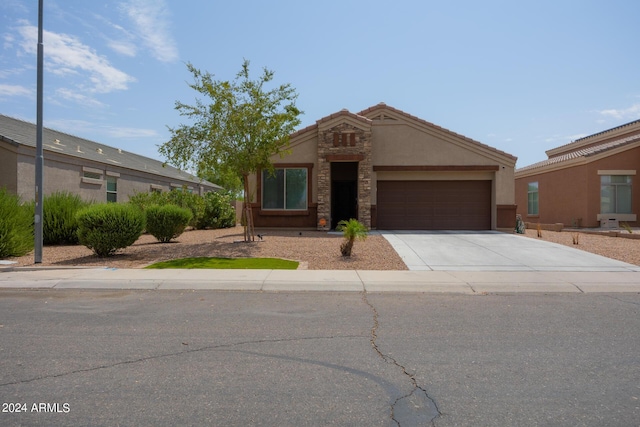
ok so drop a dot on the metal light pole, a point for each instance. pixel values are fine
(39, 152)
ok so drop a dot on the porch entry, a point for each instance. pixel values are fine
(344, 191)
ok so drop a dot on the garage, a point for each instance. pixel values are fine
(434, 205)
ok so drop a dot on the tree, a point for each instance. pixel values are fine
(241, 127)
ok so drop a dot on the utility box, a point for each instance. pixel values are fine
(609, 223)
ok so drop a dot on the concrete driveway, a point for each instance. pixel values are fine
(493, 251)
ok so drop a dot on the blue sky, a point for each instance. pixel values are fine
(523, 77)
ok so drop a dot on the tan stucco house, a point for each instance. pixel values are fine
(95, 171)
(389, 170)
(589, 182)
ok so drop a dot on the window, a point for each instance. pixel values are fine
(112, 189)
(532, 198)
(91, 175)
(615, 194)
(285, 189)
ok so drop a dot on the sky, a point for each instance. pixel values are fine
(523, 77)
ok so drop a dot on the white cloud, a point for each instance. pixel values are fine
(630, 113)
(150, 18)
(123, 47)
(79, 98)
(65, 54)
(118, 132)
(14, 90)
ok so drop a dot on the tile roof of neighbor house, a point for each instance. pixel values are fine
(382, 106)
(583, 152)
(19, 132)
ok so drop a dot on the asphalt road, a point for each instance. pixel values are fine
(168, 358)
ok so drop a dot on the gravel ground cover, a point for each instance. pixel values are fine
(315, 250)
(627, 250)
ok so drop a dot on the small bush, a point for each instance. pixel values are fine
(167, 222)
(105, 228)
(218, 212)
(16, 226)
(193, 202)
(144, 200)
(351, 230)
(59, 224)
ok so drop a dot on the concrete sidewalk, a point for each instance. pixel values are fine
(456, 282)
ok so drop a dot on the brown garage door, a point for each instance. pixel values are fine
(434, 205)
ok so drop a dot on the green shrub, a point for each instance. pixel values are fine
(193, 202)
(181, 198)
(107, 227)
(144, 200)
(16, 226)
(218, 212)
(59, 224)
(167, 222)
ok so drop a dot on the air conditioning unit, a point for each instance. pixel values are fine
(609, 222)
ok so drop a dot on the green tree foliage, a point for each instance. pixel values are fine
(107, 227)
(59, 224)
(16, 225)
(167, 222)
(351, 230)
(225, 178)
(239, 128)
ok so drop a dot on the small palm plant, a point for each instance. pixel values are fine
(352, 230)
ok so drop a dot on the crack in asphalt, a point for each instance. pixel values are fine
(177, 353)
(416, 407)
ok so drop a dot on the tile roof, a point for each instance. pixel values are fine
(24, 133)
(583, 152)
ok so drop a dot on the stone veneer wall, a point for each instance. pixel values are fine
(345, 143)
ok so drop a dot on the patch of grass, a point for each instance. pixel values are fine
(228, 263)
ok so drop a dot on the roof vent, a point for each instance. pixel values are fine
(78, 150)
(99, 150)
(56, 141)
(120, 150)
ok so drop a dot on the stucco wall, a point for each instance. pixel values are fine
(8, 167)
(64, 173)
(402, 144)
(572, 195)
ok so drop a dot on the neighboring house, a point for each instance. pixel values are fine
(92, 170)
(389, 170)
(589, 182)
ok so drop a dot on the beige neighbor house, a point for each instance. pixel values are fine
(389, 170)
(590, 182)
(92, 170)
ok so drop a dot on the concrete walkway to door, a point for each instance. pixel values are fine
(492, 251)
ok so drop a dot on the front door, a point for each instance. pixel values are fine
(344, 192)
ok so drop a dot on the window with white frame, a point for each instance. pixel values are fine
(112, 189)
(285, 189)
(532, 198)
(615, 194)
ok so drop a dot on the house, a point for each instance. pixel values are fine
(586, 183)
(92, 170)
(389, 170)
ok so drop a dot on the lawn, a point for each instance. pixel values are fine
(228, 263)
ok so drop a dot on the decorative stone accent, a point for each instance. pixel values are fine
(351, 143)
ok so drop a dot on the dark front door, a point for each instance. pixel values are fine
(344, 191)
